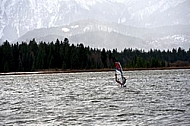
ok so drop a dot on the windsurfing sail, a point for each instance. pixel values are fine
(119, 78)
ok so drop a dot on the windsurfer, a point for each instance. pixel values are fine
(119, 78)
(121, 83)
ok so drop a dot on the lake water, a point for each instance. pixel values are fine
(156, 97)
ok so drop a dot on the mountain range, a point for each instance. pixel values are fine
(146, 24)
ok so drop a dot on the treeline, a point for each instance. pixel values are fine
(63, 55)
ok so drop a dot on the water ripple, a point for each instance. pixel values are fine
(150, 98)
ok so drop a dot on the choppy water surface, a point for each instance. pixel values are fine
(150, 98)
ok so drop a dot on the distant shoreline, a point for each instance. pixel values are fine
(51, 71)
(158, 68)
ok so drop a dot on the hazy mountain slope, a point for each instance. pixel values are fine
(101, 34)
(17, 17)
(107, 40)
(154, 13)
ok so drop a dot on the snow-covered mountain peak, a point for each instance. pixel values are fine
(150, 6)
(86, 4)
(17, 17)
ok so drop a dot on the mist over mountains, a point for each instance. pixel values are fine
(161, 24)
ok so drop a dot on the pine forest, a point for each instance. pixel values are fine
(33, 56)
